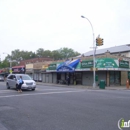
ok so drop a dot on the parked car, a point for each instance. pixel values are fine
(12, 82)
(1, 78)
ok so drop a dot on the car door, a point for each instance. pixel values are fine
(9, 80)
(14, 80)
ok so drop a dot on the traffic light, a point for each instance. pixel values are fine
(99, 41)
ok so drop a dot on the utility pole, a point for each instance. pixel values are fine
(94, 48)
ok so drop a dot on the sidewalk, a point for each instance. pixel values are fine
(84, 87)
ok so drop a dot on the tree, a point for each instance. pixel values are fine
(40, 52)
(66, 53)
(47, 53)
(21, 55)
(32, 55)
(56, 55)
(4, 64)
(62, 53)
(15, 54)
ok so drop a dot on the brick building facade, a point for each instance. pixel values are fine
(34, 60)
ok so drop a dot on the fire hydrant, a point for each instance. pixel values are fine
(127, 84)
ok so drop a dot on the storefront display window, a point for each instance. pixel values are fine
(114, 77)
(78, 77)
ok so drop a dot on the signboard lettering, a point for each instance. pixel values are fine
(87, 64)
(65, 68)
(123, 64)
(52, 67)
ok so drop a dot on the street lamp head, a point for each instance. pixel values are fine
(82, 16)
(5, 53)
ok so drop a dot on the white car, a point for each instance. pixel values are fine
(12, 82)
(1, 78)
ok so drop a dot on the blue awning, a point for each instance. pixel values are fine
(68, 66)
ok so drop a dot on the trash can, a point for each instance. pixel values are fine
(102, 84)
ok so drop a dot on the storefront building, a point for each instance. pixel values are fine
(61, 70)
(37, 70)
(51, 73)
(112, 66)
(18, 69)
(112, 70)
(29, 70)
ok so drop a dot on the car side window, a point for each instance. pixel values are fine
(10, 77)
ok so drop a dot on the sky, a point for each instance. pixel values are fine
(53, 24)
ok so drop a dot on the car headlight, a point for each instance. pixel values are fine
(34, 83)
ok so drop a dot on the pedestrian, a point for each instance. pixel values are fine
(20, 84)
(68, 80)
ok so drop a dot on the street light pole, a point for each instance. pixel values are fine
(94, 83)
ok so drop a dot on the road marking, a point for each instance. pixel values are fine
(6, 91)
(2, 127)
(51, 89)
(20, 94)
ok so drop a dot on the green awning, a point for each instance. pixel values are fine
(103, 64)
(107, 63)
(53, 66)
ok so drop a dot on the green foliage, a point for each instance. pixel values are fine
(40, 52)
(17, 55)
(4, 64)
(56, 55)
(66, 53)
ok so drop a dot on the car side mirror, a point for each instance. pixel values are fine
(14, 78)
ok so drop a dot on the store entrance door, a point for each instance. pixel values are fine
(114, 78)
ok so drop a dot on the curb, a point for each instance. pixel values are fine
(83, 87)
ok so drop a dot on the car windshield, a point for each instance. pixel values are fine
(24, 77)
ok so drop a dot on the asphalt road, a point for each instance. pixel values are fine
(60, 108)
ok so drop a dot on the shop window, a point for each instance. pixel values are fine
(78, 77)
(58, 76)
(114, 77)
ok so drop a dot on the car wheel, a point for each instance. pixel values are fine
(33, 89)
(8, 87)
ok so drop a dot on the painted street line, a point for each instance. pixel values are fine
(2, 127)
(45, 93)
(48, 89)
(7, 91)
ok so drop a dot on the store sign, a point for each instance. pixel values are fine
(29, 70)
(86, 64)
(123, 64)
(106, 63)
(21, 70)
(44, 66)
(65, 69)
(29, 66)
(52, 67)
